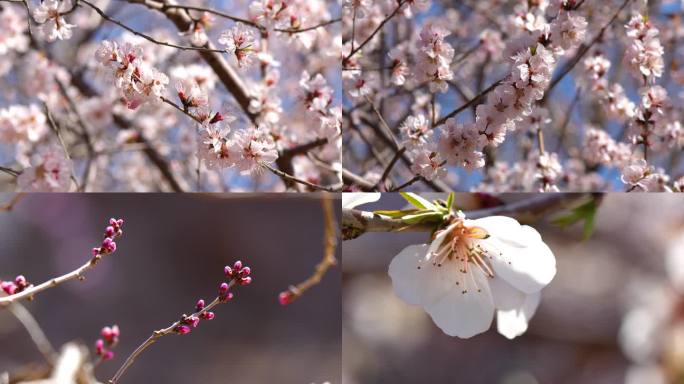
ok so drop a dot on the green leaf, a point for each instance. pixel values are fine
(418, 201)
(396, 213)
(450, 201)
(585, 212)
(422, 217)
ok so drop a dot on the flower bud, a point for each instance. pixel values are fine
(9, 287)
(285, 298)
(208, 316)
(99, 347)
(244, 272)
(21, 282)
(245, 281)
(228, 271)
(237, 265)
(223, 289)
(200, 305)
(182, 329)
(109, 231)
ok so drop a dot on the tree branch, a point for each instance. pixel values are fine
(356, 222)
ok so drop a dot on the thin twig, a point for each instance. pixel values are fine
(35, 331)
(289, 177)
(379, 27)
(12, 203)
(156, 335)
(328, 261)
(58, 133)
(144, 36)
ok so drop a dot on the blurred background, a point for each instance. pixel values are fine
(613, 313)
(172, 253)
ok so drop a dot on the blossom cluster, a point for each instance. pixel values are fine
(137, 79)
(113, 231)
(401, 77)
(109, 339)
(18, 285)
(237, 274)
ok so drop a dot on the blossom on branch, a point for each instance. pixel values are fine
(50, 15)
(474, 269)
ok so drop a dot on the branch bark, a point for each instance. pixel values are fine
(356, 222)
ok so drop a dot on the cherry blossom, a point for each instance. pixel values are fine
(50, 15)
(474, 269)
(241, 42)
(50, 171)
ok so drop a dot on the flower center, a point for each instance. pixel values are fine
(464, 245)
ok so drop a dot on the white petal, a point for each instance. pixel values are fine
(530, 267)
(465, 314)
(505, 295)
(354, 199)
(439, 239)
(513, 322)
(421, 286)
(504, 228)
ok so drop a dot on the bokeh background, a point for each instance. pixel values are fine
(172, 253)
(612, 314)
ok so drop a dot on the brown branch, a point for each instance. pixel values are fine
(288, 177)
(379, 27)
(306, 29)
(13, 202)
(144, 36)
(294, 292)
(34, 330)
(356, 222)
(230, 79)
(213, 12)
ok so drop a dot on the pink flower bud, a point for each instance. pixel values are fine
(96, 251)
(237, 265)
(228, 271)
(223, 289)
(192, 320)
(245, 281)
(285, 298)
(20, 281)
(108, 245)
(108, 355)
(217, 117)
(208, 316)
(182, 329)
(244, 272)
(9, 287)
(109, 231)
(200, 305)
(99, 347)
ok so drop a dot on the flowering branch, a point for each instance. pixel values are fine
(330, 241)
(238, 275)
(144, 36)
(356, 222)
(377, 29)
(21, 289)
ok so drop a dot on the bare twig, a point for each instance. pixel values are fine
(156, 335)
(289, 177)
(34, 330)
(375, 32)
(330, 241)
(144, 36)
